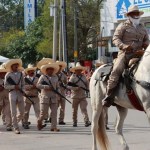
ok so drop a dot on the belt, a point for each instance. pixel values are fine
(32, 96)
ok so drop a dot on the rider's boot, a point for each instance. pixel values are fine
(109, 98)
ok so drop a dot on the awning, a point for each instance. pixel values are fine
(3, 59)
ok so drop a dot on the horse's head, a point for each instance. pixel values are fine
(144, 65)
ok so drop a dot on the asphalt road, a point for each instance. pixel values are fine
(136, 132)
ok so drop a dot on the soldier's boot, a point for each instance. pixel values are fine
(26, 126)
(9, 128)
(74, 124)
(17, 131)
(87, 123)
(55, 129)
(40, 125)
(106, 127)
(62, 123)
(109, 98)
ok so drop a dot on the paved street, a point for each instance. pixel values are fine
(136, 131)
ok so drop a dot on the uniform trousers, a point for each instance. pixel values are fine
(44, 109)
(83, 106)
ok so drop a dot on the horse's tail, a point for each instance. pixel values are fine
(102, 137)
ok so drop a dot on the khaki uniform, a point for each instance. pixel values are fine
(33, 94)
(48, 99)
(62, 79)
(78, 96)
(5, 105)
(126, 34)
(15, 97)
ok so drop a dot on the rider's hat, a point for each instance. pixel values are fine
(134, 8)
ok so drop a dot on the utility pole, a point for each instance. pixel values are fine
(75, 33)
(55, 30)
(64, 32)
(36, 9)
(60, 33)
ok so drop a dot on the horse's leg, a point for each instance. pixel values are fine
(122, 113)
(94, 128)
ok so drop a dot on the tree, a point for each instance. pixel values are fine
(11, 14)
(46, 44)
(88, 24)
(24, 46)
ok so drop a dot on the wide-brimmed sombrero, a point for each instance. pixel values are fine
(98, 64)
(134, 8)
(11, 62)
(62, 63)
(77, 67)
(50, 65)
(44, 61)
(30, 67)
(3, 69)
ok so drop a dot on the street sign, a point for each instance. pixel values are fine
(75, 54)
(29, 12)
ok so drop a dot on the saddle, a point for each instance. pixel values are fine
(126, 78)
(104, 72)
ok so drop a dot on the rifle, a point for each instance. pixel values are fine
(62, 85)
(12, 82)
(31, 83)
(45, 83)
(75, 85)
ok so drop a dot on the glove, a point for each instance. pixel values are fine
(129, 49)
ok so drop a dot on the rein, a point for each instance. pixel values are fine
(144, 84)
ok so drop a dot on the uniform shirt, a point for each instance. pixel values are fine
(3, 93)
(16, 77)
(78, 92)
(126, 34)
(62, 79)
(28, 87)
(47, 95)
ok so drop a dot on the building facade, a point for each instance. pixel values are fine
(112, 13)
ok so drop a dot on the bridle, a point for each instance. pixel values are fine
(144, 84)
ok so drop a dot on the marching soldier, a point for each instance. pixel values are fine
(4, 100)
(78, 93)
(62, 79)
(42, 62)
(48, 82)
(31, 91)
(14, 82)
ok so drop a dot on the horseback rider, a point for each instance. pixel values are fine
(131, 38)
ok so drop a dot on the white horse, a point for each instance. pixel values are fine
(97, 92)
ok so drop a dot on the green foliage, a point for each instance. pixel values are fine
(46, 44)
(24, 46)
(37, 41)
